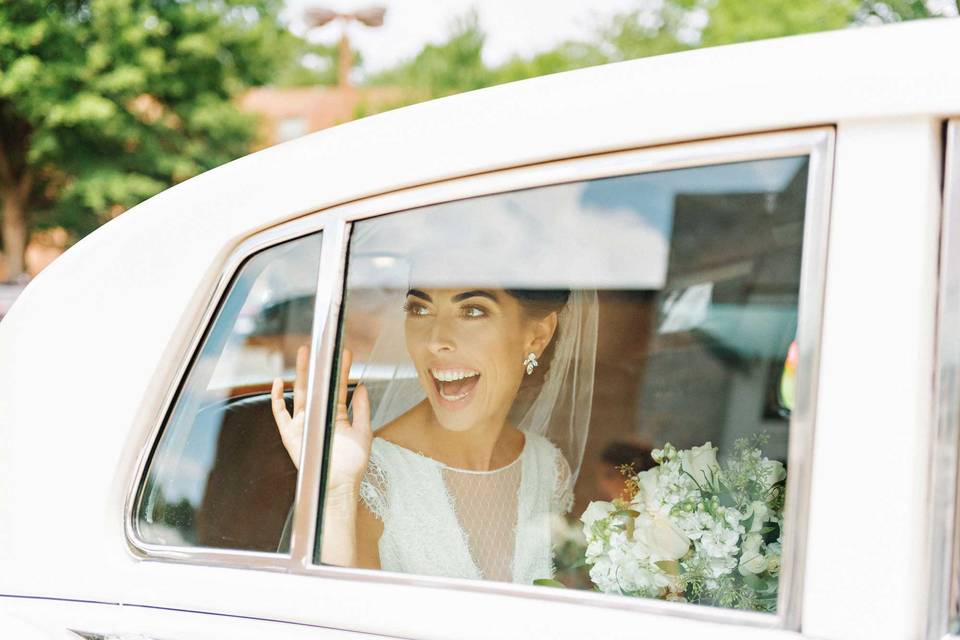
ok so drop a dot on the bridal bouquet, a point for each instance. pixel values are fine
(691, 529)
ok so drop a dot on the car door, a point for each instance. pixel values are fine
(707, 261)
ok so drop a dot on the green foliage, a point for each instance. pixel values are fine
(107, 102)
(896, 10)
(450, 67)
(734, 21)
(310, 64)
(565, 57)
(456, 64)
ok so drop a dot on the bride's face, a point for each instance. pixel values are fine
(468, 346)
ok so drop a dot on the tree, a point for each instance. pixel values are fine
(104, 103)
(452, 66)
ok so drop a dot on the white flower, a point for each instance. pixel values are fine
(773, 557)
(663, 539)
(700, 462)
(604, 575)
(647, 484)
(773, 563)
(774, 471)
(595, 512)
(752, 561)
(594, 549)
(720, 541)
(761, 513)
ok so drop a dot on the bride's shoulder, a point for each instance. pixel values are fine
(541, 445)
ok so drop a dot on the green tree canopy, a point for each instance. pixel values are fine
(456, 64)
(104, 103)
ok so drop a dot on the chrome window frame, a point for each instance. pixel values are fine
(944, 500)
(336, 223)
(246, 249)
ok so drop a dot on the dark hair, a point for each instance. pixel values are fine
(539, 303)
(619, 453)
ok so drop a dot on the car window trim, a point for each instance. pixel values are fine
(336, 221)
(944, 498)
(199, 326)
(818, 144)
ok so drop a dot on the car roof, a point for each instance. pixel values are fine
(84, 342)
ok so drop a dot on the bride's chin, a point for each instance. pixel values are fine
(451, 421)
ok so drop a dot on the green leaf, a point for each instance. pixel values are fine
(549, 582)
(671, 567)
(755, 583)
(726, 498)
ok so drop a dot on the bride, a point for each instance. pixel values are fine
(460, 470)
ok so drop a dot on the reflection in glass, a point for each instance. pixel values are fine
(220, 476)
(693, 277)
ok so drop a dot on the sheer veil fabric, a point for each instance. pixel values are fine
(440, 520)
(556, 404)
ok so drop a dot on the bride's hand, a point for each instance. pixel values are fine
(291, 427)
(351, 441)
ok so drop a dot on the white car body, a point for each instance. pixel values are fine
(90, 350)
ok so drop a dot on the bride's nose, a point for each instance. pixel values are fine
(441, 338)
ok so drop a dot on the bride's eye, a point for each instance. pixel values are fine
(415, 309)
(473, 311)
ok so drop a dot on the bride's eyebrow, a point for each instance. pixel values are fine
(475, 293)
(416, 293)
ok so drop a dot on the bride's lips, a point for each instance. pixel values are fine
(454, 384)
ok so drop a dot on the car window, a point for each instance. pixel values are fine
(220, 475)
(586, 385)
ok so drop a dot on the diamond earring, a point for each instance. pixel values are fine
(531, 362)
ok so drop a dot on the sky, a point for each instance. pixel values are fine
(513, 27)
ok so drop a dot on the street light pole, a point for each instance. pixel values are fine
(371, 17)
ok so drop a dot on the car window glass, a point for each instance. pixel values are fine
(220, 476)
(585, 385)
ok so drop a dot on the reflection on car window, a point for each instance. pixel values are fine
(220, 476)
(584, 385)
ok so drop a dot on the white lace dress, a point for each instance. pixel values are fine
(443, 521)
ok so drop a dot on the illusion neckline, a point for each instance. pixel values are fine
(446, 467)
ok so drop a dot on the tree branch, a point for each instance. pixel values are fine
(6, 173)
(25, 184)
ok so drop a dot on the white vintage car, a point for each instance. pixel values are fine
(770, 236)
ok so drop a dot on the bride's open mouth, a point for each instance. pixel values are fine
(454, 385)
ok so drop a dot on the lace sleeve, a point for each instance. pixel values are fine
(562, 491)
(373, 488)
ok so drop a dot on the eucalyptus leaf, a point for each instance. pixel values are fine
(549, 582)
(671, 567)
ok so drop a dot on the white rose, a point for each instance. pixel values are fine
(700, 462)
(761, 513)
(751, 560)
(774, 471)
(595, 512)
(663, 539)
(773, 564)
(647, 484)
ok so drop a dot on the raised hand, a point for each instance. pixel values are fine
(351, 441)
(291, 427)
